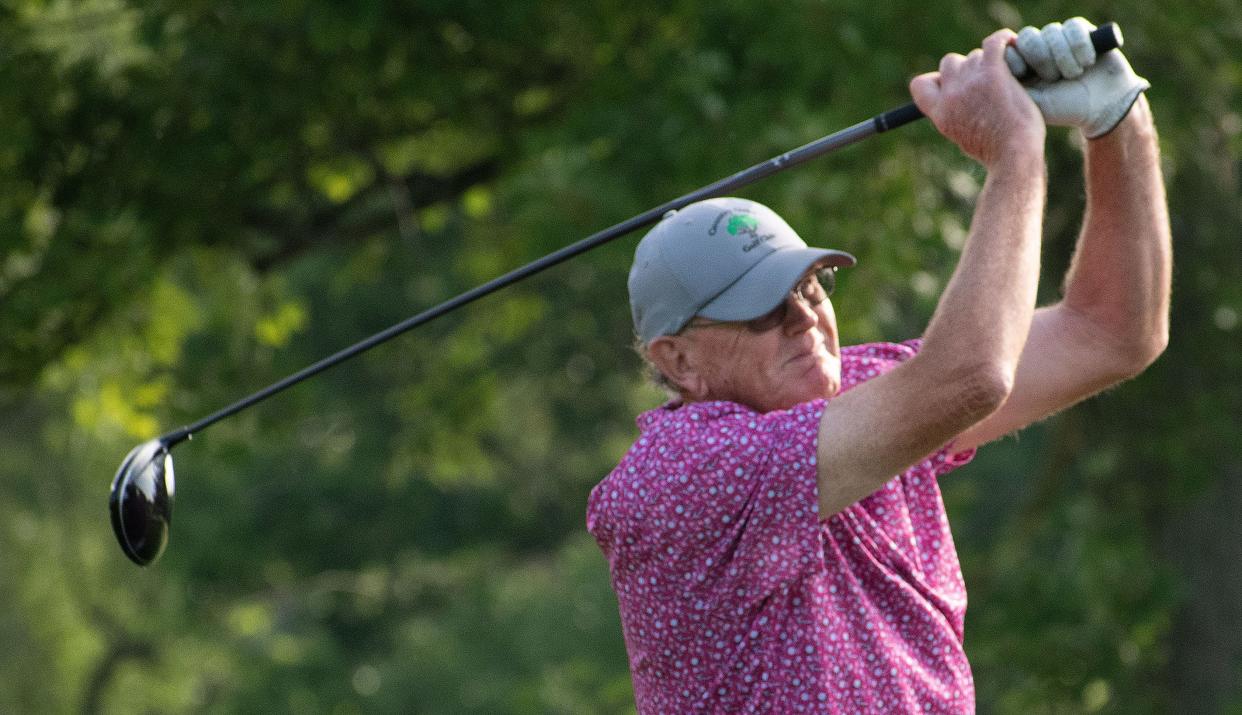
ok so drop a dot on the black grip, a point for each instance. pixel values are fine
(894, 118)
(1104, 38)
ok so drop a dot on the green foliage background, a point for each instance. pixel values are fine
(199, 198)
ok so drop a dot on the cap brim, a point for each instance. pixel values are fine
(764, 286)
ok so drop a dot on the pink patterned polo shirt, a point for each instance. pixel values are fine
(736, 597)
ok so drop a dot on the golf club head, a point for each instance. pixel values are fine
(141, 501)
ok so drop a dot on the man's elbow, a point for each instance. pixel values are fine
(1120, 347)
(1146, 352)
(997, 385)
(1130, 358)
(981, 390)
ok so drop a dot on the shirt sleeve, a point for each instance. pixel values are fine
(764, 530)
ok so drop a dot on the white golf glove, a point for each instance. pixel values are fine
(1075, 88)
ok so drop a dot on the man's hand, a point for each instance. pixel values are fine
(1075, 88)
(976, 103)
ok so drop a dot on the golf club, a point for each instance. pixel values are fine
(141, 497)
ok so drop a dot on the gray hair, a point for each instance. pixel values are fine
(653, 373)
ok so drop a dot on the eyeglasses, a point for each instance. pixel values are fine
(811, 291)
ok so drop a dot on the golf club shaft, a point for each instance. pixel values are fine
(1104, 38)
(792, 158)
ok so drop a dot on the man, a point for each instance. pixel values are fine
(764, 555)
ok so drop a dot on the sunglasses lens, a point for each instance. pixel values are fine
(806, 292)
(827, 279)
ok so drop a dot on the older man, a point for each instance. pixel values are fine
(763, 553)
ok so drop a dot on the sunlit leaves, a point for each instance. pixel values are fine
(439, 151)
(477, 202)
(171, 317)
(22, 262)
(341, 179)
(101, 34)
(276, 329)
(114, 406)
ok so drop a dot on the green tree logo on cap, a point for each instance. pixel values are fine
(742, 223)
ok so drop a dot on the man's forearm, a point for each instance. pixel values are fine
(1121, 272)
(966, 368)
(986, 309)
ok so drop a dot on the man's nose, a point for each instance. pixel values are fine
(799, 314)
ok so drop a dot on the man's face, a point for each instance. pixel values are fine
(795, 361)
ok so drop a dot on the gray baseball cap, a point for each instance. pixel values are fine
(723, 259)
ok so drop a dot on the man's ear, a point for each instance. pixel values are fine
(674, 355)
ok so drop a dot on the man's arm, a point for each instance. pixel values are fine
(1114, 319)
(971, 349)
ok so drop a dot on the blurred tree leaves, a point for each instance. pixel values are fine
(200, 198)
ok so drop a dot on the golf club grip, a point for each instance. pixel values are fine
(1104, 38)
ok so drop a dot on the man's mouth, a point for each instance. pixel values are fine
(813, 353)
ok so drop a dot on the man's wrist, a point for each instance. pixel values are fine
(1138, 122)
(1024, 156)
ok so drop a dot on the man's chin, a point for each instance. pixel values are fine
(825, 388)
(832, 389)
(825, 381)
(828, 390)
